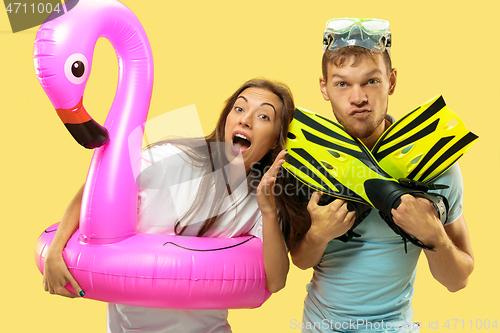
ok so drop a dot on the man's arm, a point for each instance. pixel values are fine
(310, 250)
(327, 222)
(453, 262)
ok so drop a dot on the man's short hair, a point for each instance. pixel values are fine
(340, 56)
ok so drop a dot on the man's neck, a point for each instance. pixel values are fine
(370, 141)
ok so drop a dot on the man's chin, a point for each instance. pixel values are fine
(360, 133)
(363, 130)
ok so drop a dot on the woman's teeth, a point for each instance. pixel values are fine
(241, 142)
(238, 135)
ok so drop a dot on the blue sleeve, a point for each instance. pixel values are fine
(454, 194)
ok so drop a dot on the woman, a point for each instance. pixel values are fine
(252, 129)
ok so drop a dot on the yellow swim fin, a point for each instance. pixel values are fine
(322, 155)
(424, 143)
(419, 147)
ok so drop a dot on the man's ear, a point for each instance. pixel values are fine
(322, 86)
(392, 81)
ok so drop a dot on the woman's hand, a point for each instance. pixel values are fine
(275, 255)
(55, 272)
(56, 275)
(265, 190)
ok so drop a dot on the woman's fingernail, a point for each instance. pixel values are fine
(82, 293)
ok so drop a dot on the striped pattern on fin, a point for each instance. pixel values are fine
(325, 157)
(424, 143)
(337, 189)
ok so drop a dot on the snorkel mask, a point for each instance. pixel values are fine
(370, 33)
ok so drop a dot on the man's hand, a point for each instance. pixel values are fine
(418, 217)
(330, 221)
(327, 223)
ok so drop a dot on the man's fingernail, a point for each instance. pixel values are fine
(82, 293)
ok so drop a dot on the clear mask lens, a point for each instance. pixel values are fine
(342, 24)
(373, 34)
(375, 25)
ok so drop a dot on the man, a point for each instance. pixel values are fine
(367, 285)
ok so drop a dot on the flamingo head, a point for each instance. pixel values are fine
(62, 56)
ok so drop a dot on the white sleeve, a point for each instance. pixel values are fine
(257, 229)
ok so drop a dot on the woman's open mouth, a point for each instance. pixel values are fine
(241, 143)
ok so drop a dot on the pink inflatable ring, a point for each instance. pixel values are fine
(108, 258)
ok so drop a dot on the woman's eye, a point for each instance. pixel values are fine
(263, 116)
(237, 108)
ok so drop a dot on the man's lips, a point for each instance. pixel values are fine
(359, 113)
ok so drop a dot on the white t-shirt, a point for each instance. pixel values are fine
(168, 186)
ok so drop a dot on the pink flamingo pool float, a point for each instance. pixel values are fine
(108, 258)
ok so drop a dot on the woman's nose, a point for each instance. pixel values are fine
(246, 119)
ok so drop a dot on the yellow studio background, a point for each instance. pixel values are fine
(203, 50)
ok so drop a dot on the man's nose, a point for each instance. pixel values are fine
(358, 95)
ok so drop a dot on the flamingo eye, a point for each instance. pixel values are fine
(76, 68)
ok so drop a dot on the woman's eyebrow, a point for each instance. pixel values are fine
(265, 103)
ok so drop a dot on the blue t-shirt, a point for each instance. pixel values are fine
(366, 284)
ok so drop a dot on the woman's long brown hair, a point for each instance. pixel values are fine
(211, 157)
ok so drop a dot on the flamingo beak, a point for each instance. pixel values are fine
(85, 130)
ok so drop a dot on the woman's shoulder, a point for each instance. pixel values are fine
(171, 154)
(168, 161)
(160, 151)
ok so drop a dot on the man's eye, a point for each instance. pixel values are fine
(341, 84)
(372, 81)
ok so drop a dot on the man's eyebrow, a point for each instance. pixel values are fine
(370, 73)
(373, 72)
(265, 103)
(337, 75)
